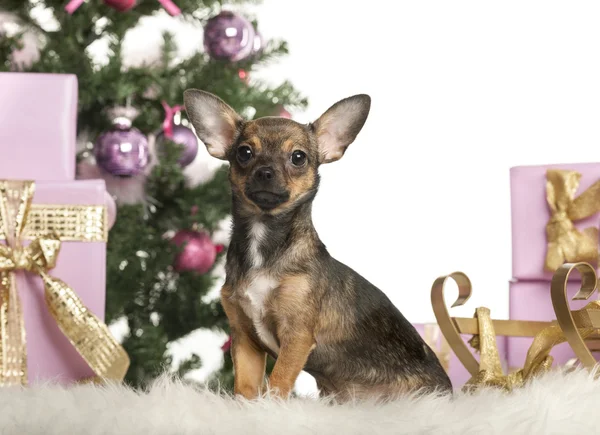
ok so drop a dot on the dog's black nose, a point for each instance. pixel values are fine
(264, 174)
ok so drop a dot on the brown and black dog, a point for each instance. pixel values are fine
(284, 295)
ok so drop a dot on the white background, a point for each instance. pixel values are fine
(461, 91)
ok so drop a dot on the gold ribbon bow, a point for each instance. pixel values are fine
(565, 242)
(88, 334)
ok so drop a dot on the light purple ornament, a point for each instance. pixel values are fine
(185, 137)
(122, 151)
(229, 36)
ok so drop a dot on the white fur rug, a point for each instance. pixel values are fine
(555, 404)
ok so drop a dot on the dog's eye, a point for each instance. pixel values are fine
(298, 158)
(244, 153)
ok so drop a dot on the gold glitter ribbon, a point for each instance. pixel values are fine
(490, 373)
(88, 334)
(433, 337)
(565, 242)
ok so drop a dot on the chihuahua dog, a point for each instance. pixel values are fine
(284, 295)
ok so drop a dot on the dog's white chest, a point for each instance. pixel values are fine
(256, 236)
(255, 296)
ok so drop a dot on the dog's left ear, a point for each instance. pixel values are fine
(339, 125)
(215, 122)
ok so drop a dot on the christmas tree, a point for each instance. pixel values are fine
(161, 258)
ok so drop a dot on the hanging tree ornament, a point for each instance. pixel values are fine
(198, 252)
(229, 36)
(120, 5)
(227, 345)
(177, 133)
(124, 5)
(122, 151)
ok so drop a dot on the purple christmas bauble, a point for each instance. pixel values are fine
(229, 36)
(123, 151)
(184, 137)
(198, 254)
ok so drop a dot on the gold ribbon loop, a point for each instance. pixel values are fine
(565, 242)
(446, 323)
(567, 318)
(88, 334)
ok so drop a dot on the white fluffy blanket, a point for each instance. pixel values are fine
(558, 403)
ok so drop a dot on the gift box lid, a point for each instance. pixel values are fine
(39, 126)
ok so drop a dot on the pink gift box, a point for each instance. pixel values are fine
(82, 265)
(39, 124)
(530, 214)
(532, 301)
(456, 371)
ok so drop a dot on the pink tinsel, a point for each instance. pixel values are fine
(168, 122)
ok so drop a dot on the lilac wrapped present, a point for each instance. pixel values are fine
(456, 371)
(39, 123)
(555, 218)
(532, 301)
(64, 238)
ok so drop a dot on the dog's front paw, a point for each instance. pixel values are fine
(247, 392)
(279, 390)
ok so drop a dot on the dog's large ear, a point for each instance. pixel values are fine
(216, 124)
(339, 125)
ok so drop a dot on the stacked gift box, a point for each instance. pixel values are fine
(55, 326)
(555, 217)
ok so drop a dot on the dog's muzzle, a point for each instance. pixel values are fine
(268, 200)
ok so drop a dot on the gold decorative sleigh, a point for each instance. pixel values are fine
(580, 328)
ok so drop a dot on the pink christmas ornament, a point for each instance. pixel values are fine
(227, 345)
(124, 5)
(199, 252)
(120, 5)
